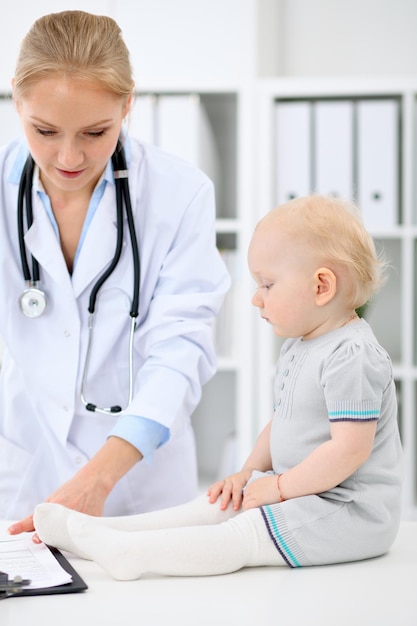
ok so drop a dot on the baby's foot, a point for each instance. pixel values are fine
(51, 525)
(114, 550)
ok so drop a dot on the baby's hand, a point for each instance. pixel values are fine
(261, 492)
(231, 488)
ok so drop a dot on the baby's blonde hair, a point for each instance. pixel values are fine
(334, 229)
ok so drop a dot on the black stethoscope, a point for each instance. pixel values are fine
(33, 300)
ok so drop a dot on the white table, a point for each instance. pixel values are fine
(378, 592)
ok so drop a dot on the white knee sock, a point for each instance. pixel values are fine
(188, 551)
(51, 520)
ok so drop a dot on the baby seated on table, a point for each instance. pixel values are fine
(323, 482)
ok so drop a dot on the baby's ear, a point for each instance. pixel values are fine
(325, 285)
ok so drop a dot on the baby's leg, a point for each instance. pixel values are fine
(188, 551)
(194, 513)
(51, 520)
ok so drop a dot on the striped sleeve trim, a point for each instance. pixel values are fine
(281, 537)
(352, 416)
(354, 410)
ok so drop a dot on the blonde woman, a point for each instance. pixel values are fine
(98, 422)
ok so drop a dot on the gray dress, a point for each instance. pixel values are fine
(343, 375)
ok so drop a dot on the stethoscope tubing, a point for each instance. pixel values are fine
(134, 311)
(25, 198)
(35, 298)
(119, 246)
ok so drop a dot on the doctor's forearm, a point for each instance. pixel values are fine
(111, 463)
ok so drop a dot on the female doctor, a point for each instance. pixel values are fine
(73, 345)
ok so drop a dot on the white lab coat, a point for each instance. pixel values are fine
(45, 432)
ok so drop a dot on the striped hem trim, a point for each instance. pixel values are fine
(281, 543)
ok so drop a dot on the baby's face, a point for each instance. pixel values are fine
(284, 272)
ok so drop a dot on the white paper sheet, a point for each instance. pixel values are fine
(22, 557)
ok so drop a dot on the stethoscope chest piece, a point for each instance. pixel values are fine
(32, 302)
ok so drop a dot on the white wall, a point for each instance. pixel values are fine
(201, 42)
(172, 42)
(347, 37)
(180, 42)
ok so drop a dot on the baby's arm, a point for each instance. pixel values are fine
(231, 487)
(349, 446)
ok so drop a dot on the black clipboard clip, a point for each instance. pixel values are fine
(11, 587)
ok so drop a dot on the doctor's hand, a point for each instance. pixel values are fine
(23, 526)
(79, 494)
(88, 489)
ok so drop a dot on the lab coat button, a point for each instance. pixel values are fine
(67, 333)
(78, 460)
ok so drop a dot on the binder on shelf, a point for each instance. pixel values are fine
(183, 128)
(333, 148)
(343, 148)
(186, 125)
(293, 150)
(378, 162)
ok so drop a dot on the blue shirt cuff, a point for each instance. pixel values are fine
(145, 434)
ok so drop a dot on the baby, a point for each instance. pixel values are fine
(323, 482)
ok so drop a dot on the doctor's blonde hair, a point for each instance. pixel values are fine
(78, 44)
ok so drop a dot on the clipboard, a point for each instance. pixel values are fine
(75, 586)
